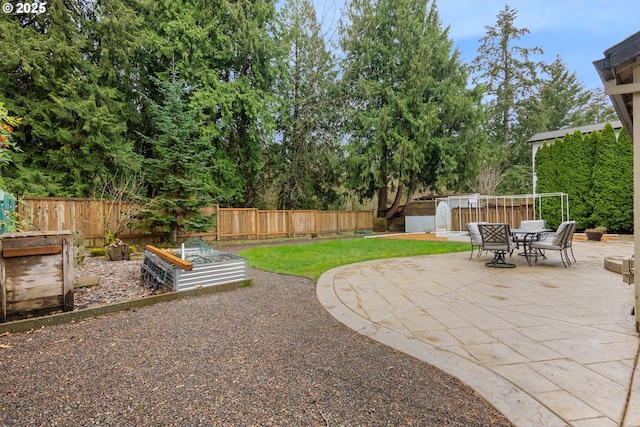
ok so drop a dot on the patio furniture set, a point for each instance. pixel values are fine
(532, 239)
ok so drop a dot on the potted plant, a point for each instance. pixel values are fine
(595, 233)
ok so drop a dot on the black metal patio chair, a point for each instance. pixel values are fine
(476, 238)
(559, 241)
(496, 238)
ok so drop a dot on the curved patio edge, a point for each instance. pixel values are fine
(514, 403)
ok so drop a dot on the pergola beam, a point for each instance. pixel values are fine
(611, 88)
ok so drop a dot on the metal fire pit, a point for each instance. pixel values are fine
(209, 268)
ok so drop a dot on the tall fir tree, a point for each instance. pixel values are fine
(176, 169)
(225, 52)
(560, 101)
(410, 110)
(304, 163)
(74, 125)
(238, 106)
(508, 72)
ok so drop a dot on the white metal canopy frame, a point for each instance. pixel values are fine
(483, 207)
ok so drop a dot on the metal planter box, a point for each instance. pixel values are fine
(36, 273)
(208, 267)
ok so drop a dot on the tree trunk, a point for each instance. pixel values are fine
(118, 251)
(173, 235)
(507, 138)
(383, 194)
(396, 203)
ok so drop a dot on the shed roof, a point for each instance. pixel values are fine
(552, 135)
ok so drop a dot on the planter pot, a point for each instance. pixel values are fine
(593, 235)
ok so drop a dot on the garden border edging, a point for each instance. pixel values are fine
(24, 325)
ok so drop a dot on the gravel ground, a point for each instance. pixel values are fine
(265, 355)
(119, 281)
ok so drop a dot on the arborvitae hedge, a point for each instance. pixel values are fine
(612, 190)
(596, 171)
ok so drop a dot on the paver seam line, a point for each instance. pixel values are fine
(471, 359)
(568, 321)
(434, 350)
(378, 325)
(623, 409)
(395, 314)
(474, 361)
(445, 295)
(630, 389)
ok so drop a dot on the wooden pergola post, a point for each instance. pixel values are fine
(636, 188)
(619, 70)
(633, 88)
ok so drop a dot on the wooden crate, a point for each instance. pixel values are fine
(36, 273)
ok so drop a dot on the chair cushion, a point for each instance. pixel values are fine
(544, 244)
(533, 224)
(498, 247)
(474, 233)
(557, 238)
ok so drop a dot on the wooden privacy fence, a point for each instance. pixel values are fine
(97, 218)
(255, 223)
(511, 215)
(510, 209)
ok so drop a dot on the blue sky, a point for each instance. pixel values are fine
(577, 30)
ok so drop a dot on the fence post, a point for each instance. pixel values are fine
(315, 222)
(216, 209)
(256, 215)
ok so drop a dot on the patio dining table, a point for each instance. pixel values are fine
(526, 237)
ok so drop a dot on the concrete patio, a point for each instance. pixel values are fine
(544, 344)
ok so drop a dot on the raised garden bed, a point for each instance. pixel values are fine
(191, 267)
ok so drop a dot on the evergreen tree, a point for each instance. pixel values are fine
(508, 72)
(600, 108)
(176, 170)
(411, 119)
(544, 169)
(303, 165)
(516, 179)
(612, 190)
(579, 165)
(118, 46)
(225, 52)
(547, 172)
(596, 172)
(560, 101)
(237, 100)
(74, 126)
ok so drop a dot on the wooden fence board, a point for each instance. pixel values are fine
(303, 222)
(327, 221)
(240, 222)
(89, 216)
(273, 223)
(511, 215)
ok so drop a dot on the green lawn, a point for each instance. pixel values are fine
(312, 259)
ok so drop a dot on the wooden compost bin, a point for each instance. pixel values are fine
(36, 273)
